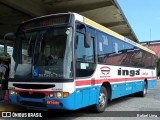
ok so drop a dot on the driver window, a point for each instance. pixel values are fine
(85, 58)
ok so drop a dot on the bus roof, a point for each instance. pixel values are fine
(98, 26)
(110, 32)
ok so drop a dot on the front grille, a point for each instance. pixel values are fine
(33, 95)
(33, 86)
(32, 104)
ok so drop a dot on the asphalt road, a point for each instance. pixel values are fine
(125, 108)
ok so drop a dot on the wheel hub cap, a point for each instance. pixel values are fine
(102, 99)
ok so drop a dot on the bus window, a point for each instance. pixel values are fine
(119, 53)
(105, 47)
(85, 60)
(129, 50)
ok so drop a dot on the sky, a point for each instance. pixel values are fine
(144, 18)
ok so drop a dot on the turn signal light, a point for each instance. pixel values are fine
(65, 94)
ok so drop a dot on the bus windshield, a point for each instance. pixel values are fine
(45, 53)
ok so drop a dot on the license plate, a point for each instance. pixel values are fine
(52, 102)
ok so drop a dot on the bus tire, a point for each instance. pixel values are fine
(102, 101)
(144, 91)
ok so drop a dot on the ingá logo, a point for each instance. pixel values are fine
(105, 70)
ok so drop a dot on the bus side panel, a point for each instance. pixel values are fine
(94, 93)
(137, 86)
(122, 89)
(129, 88)
(152, 83)
(78, 98)
(118, 90)
(85, 100)
(86, 96)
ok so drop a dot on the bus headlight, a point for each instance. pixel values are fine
(58, 95)
(12, 92)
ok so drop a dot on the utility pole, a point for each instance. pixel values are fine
(150, 34)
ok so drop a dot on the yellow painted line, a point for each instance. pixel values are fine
(102, 28)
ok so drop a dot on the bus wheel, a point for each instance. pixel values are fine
(102, 102)
(144, 91)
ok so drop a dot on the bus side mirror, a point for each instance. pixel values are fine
(7, 36)
(87, 41)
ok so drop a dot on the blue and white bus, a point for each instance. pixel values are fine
(67, 61)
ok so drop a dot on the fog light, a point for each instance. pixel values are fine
(12, 92)
(58, 94)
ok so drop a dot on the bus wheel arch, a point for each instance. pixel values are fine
(145, 87)
(102, 101)
(105, 88)
(146, 82)
(144, 90)
(109, 89)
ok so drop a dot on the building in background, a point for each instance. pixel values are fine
(153, 45)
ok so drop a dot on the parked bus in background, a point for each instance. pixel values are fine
(67, 61)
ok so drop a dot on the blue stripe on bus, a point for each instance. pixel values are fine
(82, 97)
(152, 83)
(86, 96)
(126, 88)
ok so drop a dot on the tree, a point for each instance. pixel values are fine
(158, 66)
